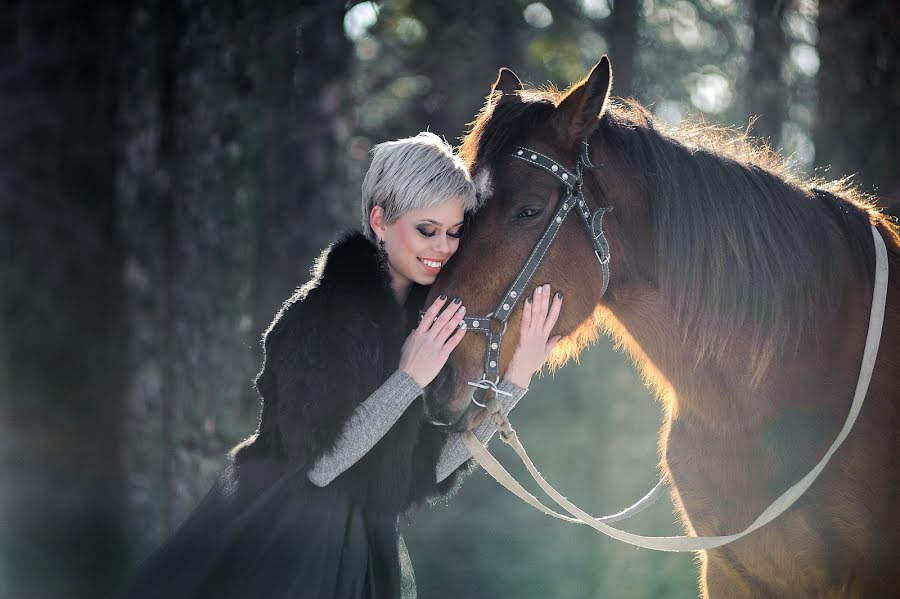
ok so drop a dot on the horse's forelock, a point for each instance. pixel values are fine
(504, 121)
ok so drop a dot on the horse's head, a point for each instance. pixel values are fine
(520, 199)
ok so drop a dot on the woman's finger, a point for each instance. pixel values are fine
(545, 305)
(451, 326)
(431, 313)
(536, 307)
(526, 316)
(448, 313)
(452, 342)
(538, 311)
(555, 307)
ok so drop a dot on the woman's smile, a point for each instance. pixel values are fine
(432, 265)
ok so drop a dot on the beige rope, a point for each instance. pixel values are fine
(692, 543)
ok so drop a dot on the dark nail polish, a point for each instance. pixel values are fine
(456, 300)
(442, 297)
(559, 294)
(528, 299)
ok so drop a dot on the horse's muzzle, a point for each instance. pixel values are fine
(438, 400)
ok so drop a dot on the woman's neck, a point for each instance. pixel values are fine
(399, 285)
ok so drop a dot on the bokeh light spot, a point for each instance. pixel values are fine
(360, 19)
(596, 9)
(538, 15)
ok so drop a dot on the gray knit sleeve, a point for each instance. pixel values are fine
(368, 424)
(454, 453)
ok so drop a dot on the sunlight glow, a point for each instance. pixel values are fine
(726, 6)
(798, 145)
(710, 91)
(592, 46)
(538, 15)
(671, 111)
(360, 19)
(806, 58)
(596, 9)
(801, 27)
(410, 31)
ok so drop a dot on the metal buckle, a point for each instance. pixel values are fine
(602, 261)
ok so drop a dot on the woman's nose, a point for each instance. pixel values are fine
(443, 245)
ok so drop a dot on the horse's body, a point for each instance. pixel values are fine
(741, 293)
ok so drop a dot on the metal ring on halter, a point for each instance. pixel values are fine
(485, 383)
(503, 330)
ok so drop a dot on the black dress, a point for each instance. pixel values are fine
(264, 530)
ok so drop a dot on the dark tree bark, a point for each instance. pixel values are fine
(223, 193)
(61, 292)
(233, 126)
(623, 32)
(859, 94)
(305, 197)
(768, 92)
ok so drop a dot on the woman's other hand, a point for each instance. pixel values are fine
(539, 314)
(427, 348)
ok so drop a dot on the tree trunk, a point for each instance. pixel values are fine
(233, 125)
(768, 92)
(61, 291)
(304, 196)
(858, 131)
(623, 32)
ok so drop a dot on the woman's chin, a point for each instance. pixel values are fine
(423, 278)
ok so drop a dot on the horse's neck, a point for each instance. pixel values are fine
(718, 393)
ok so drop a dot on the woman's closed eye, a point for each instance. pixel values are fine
(431, 232)
(426, 231)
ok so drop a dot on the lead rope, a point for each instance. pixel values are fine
(692, 543)
(499, 473)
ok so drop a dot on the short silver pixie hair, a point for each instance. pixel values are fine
(415, 172)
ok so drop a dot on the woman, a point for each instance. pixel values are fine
(309, 505)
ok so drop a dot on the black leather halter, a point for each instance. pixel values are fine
(493, 325)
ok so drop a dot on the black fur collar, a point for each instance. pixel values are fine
(353, 262)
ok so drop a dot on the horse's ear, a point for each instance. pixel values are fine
(507, 83)
(582, 106)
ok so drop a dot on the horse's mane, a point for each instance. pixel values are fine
(745, 242)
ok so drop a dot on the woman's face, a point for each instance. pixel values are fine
(421, 241)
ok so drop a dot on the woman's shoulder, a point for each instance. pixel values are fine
(349, 285)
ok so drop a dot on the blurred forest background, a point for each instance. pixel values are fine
(169, 170)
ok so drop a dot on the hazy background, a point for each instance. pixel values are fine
(169, 170)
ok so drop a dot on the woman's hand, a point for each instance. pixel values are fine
(427, 348)
(539, 314)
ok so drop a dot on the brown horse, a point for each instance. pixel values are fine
(740, 291)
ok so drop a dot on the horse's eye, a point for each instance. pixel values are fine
(528, 212)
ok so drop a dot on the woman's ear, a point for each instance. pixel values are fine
(376, 221)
